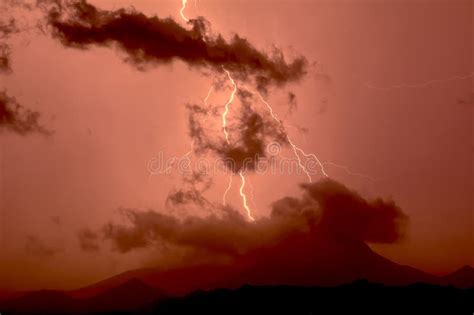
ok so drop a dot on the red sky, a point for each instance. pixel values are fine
(390, 96)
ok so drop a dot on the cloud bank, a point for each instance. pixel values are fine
(18, 119)
(327, 208)
(154, 41)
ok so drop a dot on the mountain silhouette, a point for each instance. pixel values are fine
(127, 296)
(461, 278)
(40, 302)
(360, 297)
(308, 260)
(305, 270)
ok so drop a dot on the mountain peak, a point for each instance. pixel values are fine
(466, 268)
(134, 283)
(463, 277)
(132, 288)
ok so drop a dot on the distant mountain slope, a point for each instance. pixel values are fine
(134, 297)
(39, 302)
(9, 294)
(316, 260)
(301, 261)
(360, 297)
(130, 295)
(461, 278)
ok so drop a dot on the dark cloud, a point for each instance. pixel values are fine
(7, 28)
(153, 40)
(190, 196)
(250, 132)
(292, 104)
(327, 208)
(13, 116)
(349, 215)
(5, 52)
(18, 119)
(185, 196)
(36, 246)
(88, 240)
(227, 233)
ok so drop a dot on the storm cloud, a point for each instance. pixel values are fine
(326, 208)
(7, 28)
(18, 119)
(154, 41)
(37, 247)
(251, 129)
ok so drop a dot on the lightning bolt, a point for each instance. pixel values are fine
(349, 172)
(181, 12)
(224, 126)
(244, 197)
(190, 150)
(252, 199)
(226, 134)
(206, 99)
(224, 197)
(296, 150)
(208, 95)
(175, 159)
(294, 147)
(226, 111)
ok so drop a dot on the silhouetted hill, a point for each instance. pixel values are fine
(39, 302)
(461, 278)
(360, 297)
(9, 294)
(112, 282)
(130, 295)
(296, 276)
(323, 261)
